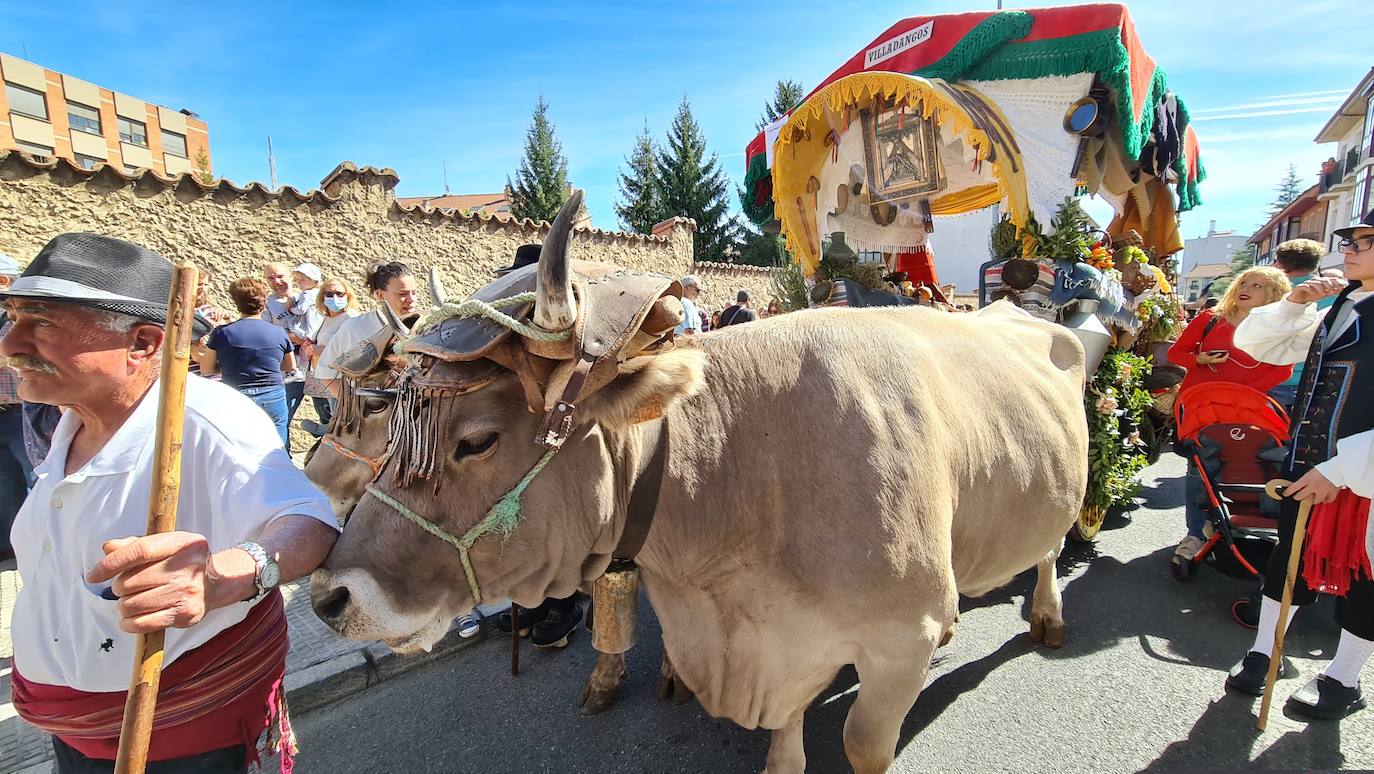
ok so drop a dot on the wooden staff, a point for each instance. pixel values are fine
(1294, 556)
(514, 640)
(141, 703)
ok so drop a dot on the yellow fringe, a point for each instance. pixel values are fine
(801, 150)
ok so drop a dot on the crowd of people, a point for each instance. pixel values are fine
(84, 332)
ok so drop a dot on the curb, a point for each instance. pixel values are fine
(343, 676)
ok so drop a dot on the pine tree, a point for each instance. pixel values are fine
(696, 188)
(762, 249)
(641, 205)
(1286, 192)
(786, 95)
(541, 181)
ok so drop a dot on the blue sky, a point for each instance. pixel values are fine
(413, 85)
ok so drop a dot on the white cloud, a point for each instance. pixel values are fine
(1269, 103)
(1261, 114)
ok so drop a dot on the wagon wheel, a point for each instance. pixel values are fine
(1089, 523)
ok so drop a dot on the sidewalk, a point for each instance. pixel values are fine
(321, 667)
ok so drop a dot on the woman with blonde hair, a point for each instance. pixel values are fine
(336, 303)
(1207, 350)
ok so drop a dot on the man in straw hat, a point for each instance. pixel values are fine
(1331, 459)
(87, 334)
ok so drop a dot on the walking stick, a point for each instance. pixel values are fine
(1294, 556)
(514, 640)
(137, 731)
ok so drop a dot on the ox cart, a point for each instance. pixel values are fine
(1019, 113)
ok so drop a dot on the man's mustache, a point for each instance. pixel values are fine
(26, 363)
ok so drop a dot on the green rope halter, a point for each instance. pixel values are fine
(503, 517)
(475, 307)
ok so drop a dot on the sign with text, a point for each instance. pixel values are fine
(894, 46)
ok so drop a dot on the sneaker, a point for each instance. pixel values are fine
(529, 616)
(1189, 547)
(554, 631)
(468, 626)
(1249, 675)
(1326, 698)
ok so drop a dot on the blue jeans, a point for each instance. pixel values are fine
(16, 474)
(1193, 512)
(324, 407)
(1285, 394)
(295, 393)
(273, 401)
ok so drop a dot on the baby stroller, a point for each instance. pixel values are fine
(1235, 437)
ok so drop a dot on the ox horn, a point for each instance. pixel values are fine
(555, 308)
(436, 287)
(393, 322)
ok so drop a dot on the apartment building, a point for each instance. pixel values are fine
(1346, 180)
(1304, 218)
(48, 113)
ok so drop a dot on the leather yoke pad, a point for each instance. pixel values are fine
(365, 356)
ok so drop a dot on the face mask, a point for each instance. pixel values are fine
(335, 304)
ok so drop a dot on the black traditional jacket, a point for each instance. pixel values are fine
(1336, 395)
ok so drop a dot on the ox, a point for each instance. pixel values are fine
(857, 467)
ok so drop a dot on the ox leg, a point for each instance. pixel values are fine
(603, 684)
(670, 685)
(888, 687)
(1047, 608)
(786, 754)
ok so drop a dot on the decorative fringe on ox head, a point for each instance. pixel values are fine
(422, 415)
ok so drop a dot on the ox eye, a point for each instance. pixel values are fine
(373, 406)
(475, 447)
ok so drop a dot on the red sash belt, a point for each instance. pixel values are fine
(222, 694)
(1336, 555)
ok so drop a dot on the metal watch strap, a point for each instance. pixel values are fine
(260, 559)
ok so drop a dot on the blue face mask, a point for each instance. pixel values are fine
(336, 303)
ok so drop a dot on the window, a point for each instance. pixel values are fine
(174, 143)
(133, 132)
(83, 118)
(1369, 125)
(27, 102)
(35, 149)
(1360, 204)
(88, 162)
(129, 169)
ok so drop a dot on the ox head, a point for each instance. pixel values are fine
(352, 451)
(463, 438)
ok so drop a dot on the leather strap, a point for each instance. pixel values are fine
(520, 360)
(643, 503)
(559, 419)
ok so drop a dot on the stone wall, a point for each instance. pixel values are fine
(720, 282)
(351, 221)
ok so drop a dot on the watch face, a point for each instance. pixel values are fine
(270, 576)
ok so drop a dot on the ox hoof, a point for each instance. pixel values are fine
(671, 688)
(1050, 632)
(948, 637)
(597, 699)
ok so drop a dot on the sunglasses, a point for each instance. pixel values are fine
(335, 294)
(1355, 245)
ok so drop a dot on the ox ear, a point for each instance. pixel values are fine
(646, 387)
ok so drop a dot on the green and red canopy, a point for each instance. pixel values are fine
(1007, 45)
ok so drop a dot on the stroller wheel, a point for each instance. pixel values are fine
(1246, 612)
(1181, 569)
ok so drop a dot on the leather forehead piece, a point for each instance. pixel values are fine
(471, 338)
(365, 356)
(459, 377)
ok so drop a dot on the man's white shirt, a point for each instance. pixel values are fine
(236, 479)
(349, 335)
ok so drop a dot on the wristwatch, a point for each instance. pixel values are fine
(268, 574)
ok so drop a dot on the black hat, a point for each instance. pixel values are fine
(1346, 233)
(525, 255)
(104, 273)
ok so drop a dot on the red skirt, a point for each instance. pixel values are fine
(222, 694)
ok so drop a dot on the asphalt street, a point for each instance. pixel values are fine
(1138, 687)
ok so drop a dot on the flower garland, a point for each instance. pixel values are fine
(1160, 316)
(1116, 404)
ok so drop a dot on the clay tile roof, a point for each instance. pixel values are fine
(422, 212)
(737, 266)
(147, 179)
(487, 204)
(1209, 270)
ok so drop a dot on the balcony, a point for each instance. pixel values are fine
(1352, 160)
(1328, 179)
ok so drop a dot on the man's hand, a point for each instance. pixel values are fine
(1313, 485)
(159, 579)
(1316, 289)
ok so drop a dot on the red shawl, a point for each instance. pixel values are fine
(1336, 554)
(222, 694)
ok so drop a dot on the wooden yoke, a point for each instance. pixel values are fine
(139, 707)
